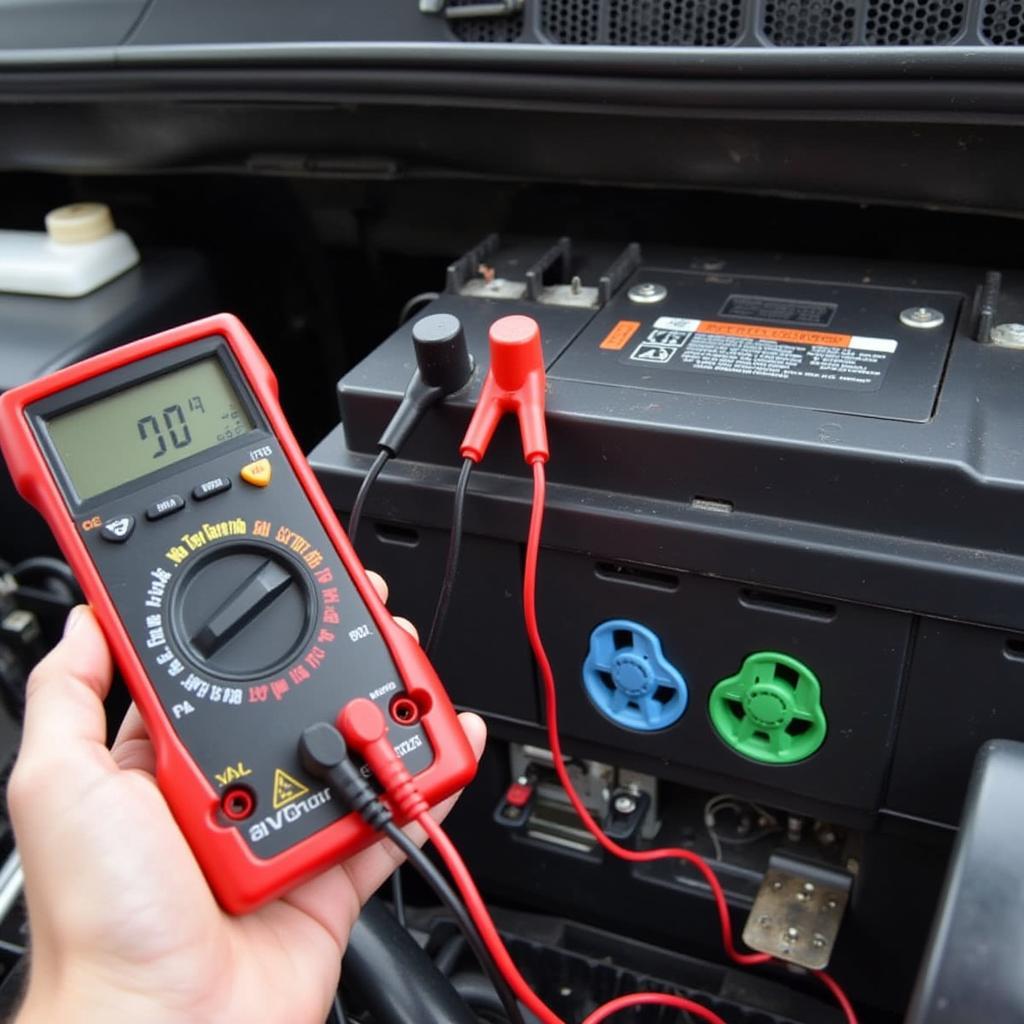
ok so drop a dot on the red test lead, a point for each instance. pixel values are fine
(515, 383)
(362, 724)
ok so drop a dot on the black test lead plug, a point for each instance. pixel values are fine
(443, 366)
(324, 754)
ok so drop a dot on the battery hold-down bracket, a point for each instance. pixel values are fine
(797, 911)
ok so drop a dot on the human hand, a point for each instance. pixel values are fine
(123, 924)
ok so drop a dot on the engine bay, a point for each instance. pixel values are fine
(779, 572)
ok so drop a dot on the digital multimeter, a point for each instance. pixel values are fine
(235, 606)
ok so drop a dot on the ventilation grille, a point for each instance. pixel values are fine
(760, 23)
(571, 21)
(486, 30)
(1002, 22)
(810, 22)
(914, 22)
(674, 22)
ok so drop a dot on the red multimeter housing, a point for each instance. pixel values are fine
(234, 604)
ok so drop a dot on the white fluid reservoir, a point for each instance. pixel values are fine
(80, 251)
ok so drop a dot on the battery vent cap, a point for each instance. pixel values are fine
(770, 711)
(630, 681)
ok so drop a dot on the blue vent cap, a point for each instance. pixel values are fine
(629, 680)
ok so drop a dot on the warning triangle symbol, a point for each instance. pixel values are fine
(286, 789)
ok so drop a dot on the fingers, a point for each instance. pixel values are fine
(132, 727)
(379, 584)
(132, 749)
(408, 627)
(371, 868)
(64, 701)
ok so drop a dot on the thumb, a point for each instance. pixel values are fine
(64, 714)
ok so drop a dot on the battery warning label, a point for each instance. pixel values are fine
(823, 358)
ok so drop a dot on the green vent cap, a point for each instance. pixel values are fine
(770, 711)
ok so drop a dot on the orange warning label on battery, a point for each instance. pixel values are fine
(618, 337)
(786, 334)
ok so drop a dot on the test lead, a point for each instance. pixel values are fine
(443, 366)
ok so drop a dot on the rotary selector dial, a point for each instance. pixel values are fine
(242, 611)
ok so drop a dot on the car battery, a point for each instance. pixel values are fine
(790, 487)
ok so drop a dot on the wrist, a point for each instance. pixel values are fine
(88, 1001)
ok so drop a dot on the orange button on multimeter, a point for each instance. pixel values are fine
(236, 623)
(257, 473)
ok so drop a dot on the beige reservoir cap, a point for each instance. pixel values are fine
(79, 222)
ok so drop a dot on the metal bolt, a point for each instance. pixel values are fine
(647, 292)
(831, 904)
(776, 885)
(1008, 335)
(923, 317)
(764, 920)
(808, 887)
(625, 804)
(802, 896)
(792, 933)
(818, 942)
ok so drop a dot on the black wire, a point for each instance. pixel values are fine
(45, 566)
(451, 566)
(364, 489)
(448, 955)
(397, 896)
(444, 892)
(411, 304)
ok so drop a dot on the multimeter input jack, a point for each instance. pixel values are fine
(405, 711)
(238, 803)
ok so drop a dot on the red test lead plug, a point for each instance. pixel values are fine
(365, 729)
(515, 383)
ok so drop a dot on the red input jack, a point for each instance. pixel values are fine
(238, 803)
(405, 711)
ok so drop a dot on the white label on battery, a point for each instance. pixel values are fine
(873, 344)
(674, 323)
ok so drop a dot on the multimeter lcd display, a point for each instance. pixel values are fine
(137, 431)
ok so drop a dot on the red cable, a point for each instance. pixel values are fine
(840, 996)
(653, 998)
(385, 763)
(365, 730)
(482, 918)
(551, 707)
(492, 940)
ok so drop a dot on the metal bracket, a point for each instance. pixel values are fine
(797, 911)
(988, 303)
(489, 9)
